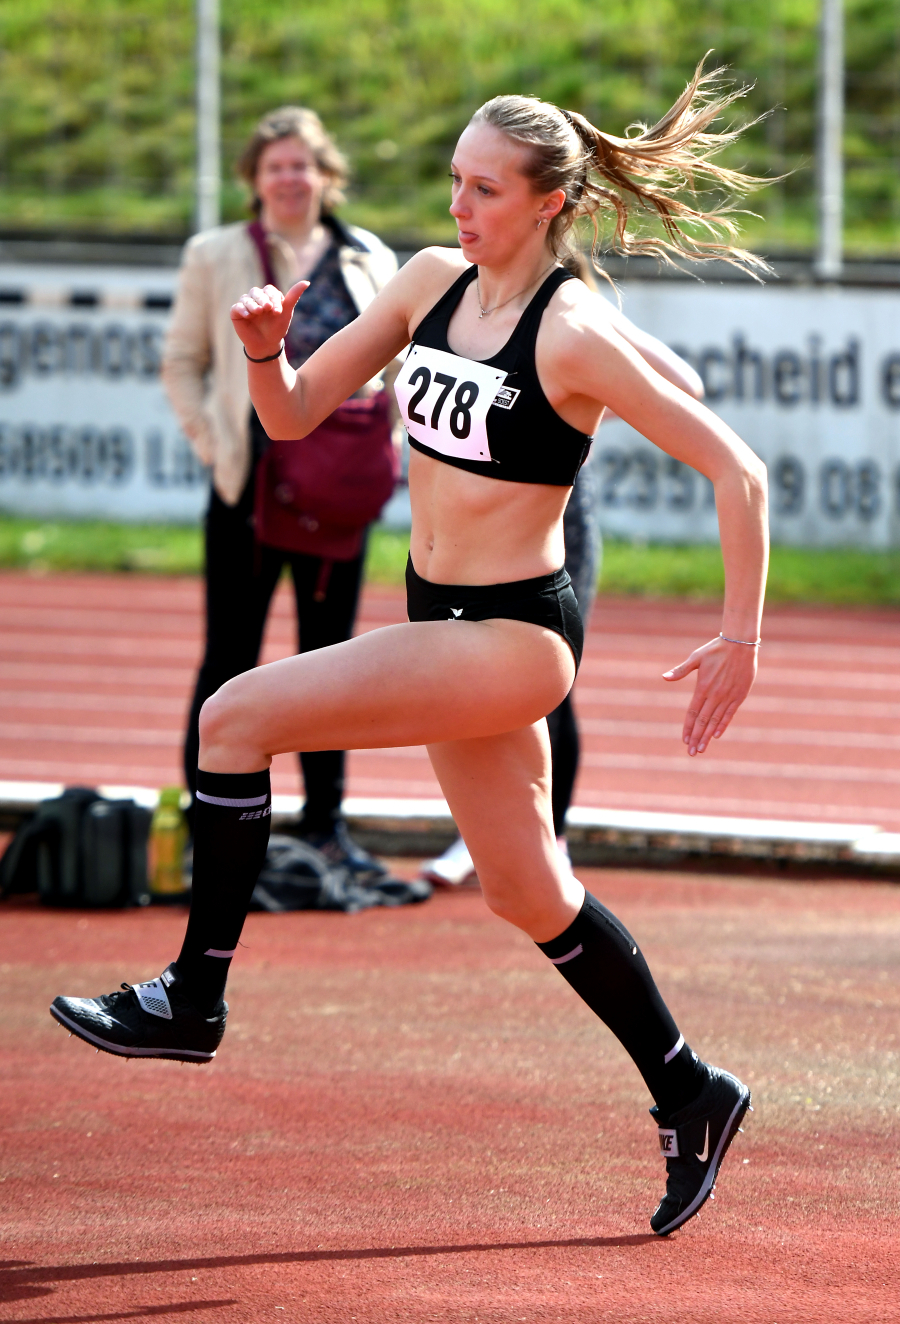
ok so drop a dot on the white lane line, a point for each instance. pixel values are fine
(91, 735)
(668, 696)
(634, 669)
(746, 735)
(720, 767)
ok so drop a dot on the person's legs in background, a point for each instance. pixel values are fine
(581, 527)
(565, 750)
(583, 555)
(327, 594)
(240, 579)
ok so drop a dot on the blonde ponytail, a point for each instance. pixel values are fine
(649, 172)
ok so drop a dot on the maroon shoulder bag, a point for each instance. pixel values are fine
(317, 494)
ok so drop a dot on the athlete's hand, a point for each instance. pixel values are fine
(725, 674)
(261, 318)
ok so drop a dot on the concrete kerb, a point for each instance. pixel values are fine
(596, 836)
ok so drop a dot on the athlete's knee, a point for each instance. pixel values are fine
(224, 714)
(507, 900)
(504, 905)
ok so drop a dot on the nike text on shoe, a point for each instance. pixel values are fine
(154, 1019)
(694, 1144)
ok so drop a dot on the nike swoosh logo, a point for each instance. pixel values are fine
(705, 1155)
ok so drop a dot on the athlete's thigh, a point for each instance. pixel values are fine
(410, 684)
(498, 790)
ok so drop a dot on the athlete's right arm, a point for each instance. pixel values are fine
(291, 403)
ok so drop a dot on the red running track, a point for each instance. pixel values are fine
(413, 1119)
(96, 673)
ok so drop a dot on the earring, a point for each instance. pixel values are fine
(539, 224)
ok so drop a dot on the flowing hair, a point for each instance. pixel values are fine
(659, 170)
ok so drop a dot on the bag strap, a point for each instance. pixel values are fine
(258, 235)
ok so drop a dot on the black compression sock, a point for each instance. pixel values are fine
(602, 962)
(231, 832)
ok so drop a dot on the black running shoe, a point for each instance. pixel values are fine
(694, 1144)
(342, 851)
(145, 1020)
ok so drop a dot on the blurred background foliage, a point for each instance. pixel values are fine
(97, 115)
(839, 576)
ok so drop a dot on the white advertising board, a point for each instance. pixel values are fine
(86, 430)
(809, 377)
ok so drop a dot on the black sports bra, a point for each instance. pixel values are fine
(489, 417)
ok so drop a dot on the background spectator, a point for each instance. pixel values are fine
(296, 174)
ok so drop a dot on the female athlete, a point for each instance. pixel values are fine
(511, 363)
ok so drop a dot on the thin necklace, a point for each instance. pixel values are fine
(484, 311)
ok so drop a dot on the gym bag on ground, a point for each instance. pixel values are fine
(80, 850)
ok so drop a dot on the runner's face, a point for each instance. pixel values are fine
(289, 182)
(494, 206)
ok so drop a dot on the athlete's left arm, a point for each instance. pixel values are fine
(586, 357)
(664, 360)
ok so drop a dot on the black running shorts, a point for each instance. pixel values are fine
(547, 600)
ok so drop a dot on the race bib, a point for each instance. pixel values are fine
(444, 400)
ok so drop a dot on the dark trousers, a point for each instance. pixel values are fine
(583, 547)
(565, 752)
(240, 580)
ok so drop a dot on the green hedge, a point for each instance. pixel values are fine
(97, 98)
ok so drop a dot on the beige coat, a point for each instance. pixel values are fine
(203, 366)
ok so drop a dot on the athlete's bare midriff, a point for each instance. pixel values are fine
(468, 529)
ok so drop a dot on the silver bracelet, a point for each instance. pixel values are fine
(751, 643)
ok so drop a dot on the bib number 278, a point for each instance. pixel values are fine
(460, 413)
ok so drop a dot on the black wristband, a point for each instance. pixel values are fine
(268, 358)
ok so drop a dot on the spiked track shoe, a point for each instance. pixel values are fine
(694, 1144)
(153, 1019)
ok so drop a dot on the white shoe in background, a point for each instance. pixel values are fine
(455, 866)
(563, 847)
(452, 868)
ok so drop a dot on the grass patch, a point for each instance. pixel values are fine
(657, 570)
(836, 576)
(46, 546)
(386, 555)
(841, 577)
(845, 576)
(50, 545)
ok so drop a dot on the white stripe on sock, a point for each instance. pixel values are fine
(213, 951)
(232, 804)
(673, 1052)
(570, 956)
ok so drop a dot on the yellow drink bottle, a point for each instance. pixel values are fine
(165, 847)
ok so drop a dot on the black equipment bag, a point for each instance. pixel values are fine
(81, 850)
